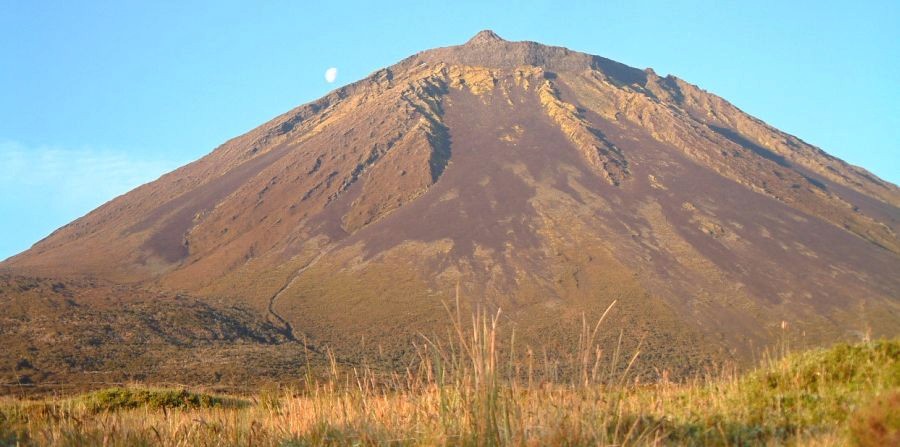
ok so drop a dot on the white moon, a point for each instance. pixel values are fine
(330, 75)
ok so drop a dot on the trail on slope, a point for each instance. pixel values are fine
(289, 329)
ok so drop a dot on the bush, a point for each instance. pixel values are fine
(112, 399)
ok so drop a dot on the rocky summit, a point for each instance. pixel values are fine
(514, 176)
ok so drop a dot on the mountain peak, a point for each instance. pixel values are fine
(531, 177)
(485, 36)
(487, 49)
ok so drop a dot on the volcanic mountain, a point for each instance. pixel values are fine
(534, 179)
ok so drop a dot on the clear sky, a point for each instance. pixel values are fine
(97, 97)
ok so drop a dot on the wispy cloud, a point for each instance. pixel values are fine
(82, 175)
(44, 187)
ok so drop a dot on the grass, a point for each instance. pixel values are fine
(473, 392)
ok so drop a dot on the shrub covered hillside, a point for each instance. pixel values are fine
(846, 395)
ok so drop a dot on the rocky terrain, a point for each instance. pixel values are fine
(538, 180)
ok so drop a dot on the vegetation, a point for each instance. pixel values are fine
(114, 399)
(469, 393)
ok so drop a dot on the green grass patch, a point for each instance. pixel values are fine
(820, 387)
(113, 399)
(802, 396)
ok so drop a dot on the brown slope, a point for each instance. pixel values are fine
(538, 232)
(544, 181)
(76, 334)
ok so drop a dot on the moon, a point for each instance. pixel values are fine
(330, 75)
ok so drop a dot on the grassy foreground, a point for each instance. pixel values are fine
(464, 394)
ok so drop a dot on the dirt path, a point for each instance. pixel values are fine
(289, 329)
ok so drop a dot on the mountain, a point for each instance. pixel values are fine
(534, 179)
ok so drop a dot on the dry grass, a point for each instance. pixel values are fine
(469, 393)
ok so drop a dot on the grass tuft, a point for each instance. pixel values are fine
(878, 424)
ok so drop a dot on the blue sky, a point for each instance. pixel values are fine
(97, 97)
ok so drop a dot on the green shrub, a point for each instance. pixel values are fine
(112, 399)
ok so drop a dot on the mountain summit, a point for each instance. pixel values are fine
(534, 179)
(484, 37)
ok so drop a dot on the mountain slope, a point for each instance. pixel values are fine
(540, 180)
